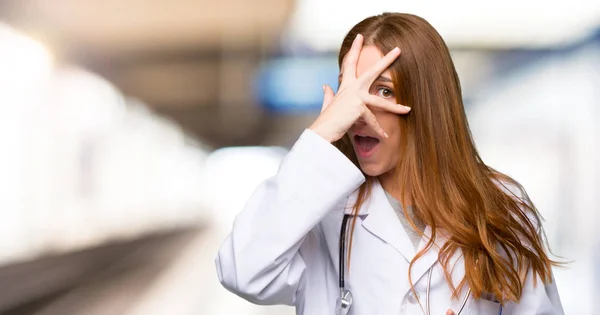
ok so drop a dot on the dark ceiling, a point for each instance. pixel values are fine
(192, 61)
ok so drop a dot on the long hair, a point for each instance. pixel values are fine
(447, 183)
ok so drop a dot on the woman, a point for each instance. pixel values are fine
(390, 202)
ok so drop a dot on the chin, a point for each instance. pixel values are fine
(372, 170)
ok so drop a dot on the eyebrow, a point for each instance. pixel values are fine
(380, 78)
(383, 79)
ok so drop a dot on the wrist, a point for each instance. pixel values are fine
(321, 133)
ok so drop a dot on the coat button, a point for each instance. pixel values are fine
(412, 298)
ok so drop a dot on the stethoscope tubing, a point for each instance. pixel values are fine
(342, 252)
(427, 294)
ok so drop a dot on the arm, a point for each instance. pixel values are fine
(260, 259)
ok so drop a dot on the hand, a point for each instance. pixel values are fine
(449, 312)
(339, 112)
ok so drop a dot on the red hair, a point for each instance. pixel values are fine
(448, 184)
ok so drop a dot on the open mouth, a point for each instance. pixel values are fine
(365, 145)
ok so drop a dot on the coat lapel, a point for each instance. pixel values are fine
(381, 220)
(429, 258)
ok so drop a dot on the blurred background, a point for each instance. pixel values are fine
(132, 132)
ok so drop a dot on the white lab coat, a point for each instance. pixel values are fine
(284, 247)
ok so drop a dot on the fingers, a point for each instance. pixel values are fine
(327, 96)
(369, 76)
(449, 312)
(370, 120)
(378, 102)
(351, 59)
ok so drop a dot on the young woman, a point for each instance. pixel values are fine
(382, 208)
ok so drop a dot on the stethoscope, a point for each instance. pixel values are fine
(345, 300)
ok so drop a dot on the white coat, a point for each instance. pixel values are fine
(284, 247)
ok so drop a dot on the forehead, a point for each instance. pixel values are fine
(368, 57)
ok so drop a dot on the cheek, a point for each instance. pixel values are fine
(389, 122)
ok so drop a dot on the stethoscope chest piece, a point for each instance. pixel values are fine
(343, 303)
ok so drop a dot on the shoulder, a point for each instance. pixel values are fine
(516, 192)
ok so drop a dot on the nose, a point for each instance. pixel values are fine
(360, 122)
(358, 126)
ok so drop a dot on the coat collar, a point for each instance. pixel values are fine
(381, 220)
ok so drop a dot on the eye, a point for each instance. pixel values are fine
(385, 92)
